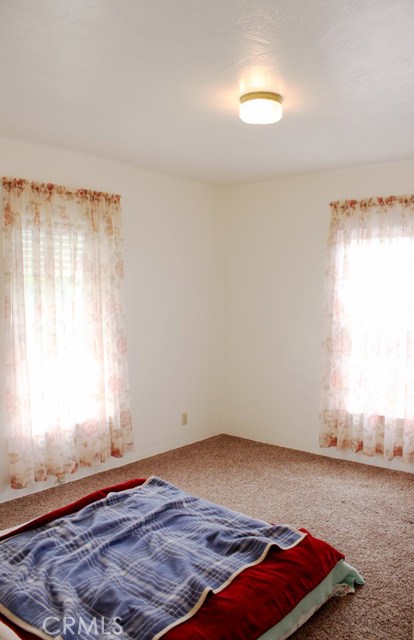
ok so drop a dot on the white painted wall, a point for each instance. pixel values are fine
(275, 244)
(224, 295)
(174, 292)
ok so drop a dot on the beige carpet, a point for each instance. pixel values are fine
(366, 512)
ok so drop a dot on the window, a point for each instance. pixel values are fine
(368, 367)
(66, 376)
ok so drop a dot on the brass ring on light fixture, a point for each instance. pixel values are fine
(261, 95)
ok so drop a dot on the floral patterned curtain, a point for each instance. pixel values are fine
(368, 347)
(67, 401)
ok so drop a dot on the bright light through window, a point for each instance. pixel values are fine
(59, 383)
(375, 308)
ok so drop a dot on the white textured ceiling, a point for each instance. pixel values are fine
(156, 83)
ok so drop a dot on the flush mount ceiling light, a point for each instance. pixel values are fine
(261, 107)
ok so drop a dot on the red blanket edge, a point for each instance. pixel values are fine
(257, 599)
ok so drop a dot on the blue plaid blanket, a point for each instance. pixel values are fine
(132, 565)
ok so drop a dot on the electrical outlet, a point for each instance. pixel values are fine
(184, 419)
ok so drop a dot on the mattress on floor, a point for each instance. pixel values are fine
(267, 601)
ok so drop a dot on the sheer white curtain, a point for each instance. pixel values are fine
(67, 397)
(367, 399)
